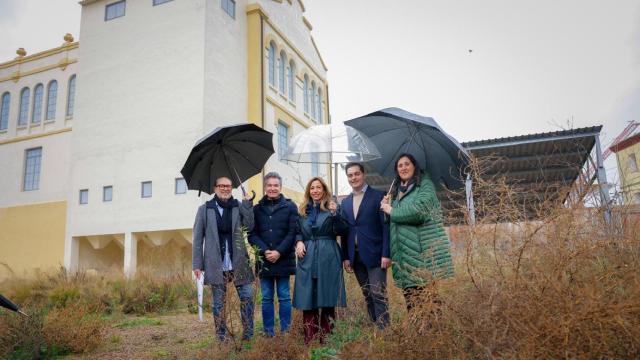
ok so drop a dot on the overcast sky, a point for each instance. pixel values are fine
(481, 68)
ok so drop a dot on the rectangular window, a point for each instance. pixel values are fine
(33, 158)
(114, 10)
(283, 140)
(145, 191)
(84, 197)
(632, 164)
(229, 6)
(315, 169)
(181, 186)
(107, 193)
(158, 2)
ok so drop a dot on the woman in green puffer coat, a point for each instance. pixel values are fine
(419, 244)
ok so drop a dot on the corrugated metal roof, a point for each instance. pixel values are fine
(542, 166)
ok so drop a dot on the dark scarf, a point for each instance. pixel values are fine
(271, 204)
(405, 188)
(312, 211)
(224, 222)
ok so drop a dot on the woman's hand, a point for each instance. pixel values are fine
(301, 250)
(333, 207)
(386, 208)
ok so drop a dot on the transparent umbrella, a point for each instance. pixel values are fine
(331, 144)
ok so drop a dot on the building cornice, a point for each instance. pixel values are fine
(62, 64)
(297, 119)
(40, 55)
(628, 142)
(302, 6)
(307, 23)
(34, 136)
(319, 56)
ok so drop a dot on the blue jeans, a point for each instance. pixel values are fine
(284, 302)
(245, 293)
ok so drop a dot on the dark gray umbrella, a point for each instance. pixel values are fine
(237, 152)
(396, 131)
(6, 303)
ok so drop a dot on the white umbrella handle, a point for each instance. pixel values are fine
(200, 287)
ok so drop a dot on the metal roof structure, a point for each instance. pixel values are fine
(542, 167)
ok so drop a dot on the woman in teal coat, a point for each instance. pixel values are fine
(419, 244)
(319, 285)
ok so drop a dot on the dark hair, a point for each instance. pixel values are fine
(417, 174)
(352, 164)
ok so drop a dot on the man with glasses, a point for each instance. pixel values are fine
(220, 254)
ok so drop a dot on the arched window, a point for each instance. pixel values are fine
(4, 111)
(52, 98)
(319, 112)
(38, 95)
(306, 93)
(71, 95)
(292, 81)
(272, 65)
(23, 114)
(281, 72)
(312, 98)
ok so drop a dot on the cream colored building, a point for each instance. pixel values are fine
(627, 155)
(152, 78)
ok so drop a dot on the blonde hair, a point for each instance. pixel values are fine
(324, 202)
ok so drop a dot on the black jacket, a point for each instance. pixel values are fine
(275, 229)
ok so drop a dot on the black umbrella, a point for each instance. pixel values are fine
(6, 303)
(396, 131)
(237, 152)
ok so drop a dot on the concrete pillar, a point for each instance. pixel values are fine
(602, 182)
(71, 253)
(130, 254)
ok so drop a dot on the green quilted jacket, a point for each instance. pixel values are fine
(419, 245)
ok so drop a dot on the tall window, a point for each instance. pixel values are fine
(71, 95)
(312, 98)
(292, 81)
(4, 111)
(272, 65)
(145, 190)
(314, 165)
(38, 94)
(281, 72)
(632, 164)
(32, 161)
(52, 98)
(306, 93)
(229, 6)
(114, 10)
(319, 102)
(23, 115)
(283, 140)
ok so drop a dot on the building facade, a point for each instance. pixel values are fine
(101, 181)
(627, 152)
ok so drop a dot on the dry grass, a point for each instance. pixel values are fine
(564, 284)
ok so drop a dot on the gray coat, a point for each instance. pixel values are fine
(206, 245)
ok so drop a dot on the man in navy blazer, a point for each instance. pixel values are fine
(365, 248)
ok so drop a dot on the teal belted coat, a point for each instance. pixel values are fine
(319, 278)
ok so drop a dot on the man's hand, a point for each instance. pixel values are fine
(385, 263)
(197, 273)
(301, 250)
(272, 255)
(347, 266)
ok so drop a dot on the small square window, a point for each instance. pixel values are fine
(158, 2)
(114, 10)
(632, 164)
(107, 193)
(229, 6)
(84, 196)
(181, 186)
(146, 189)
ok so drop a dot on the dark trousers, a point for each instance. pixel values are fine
(373, 282)
(317, 323)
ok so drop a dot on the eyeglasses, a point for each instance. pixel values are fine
(224, 186)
